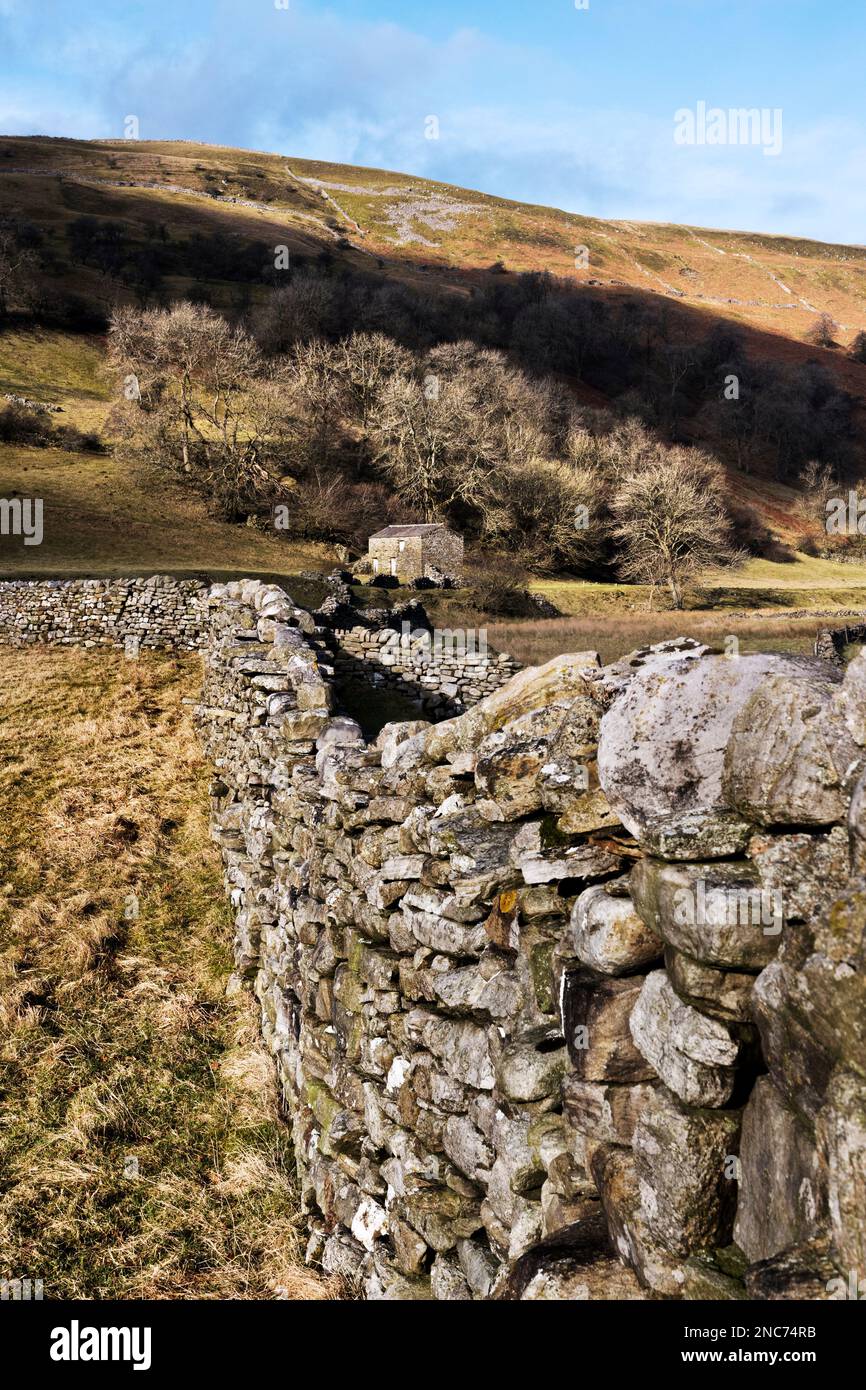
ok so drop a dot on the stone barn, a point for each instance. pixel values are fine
(417, 552)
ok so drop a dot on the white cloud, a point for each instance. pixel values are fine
(312, 84)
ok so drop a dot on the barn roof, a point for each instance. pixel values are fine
(419, 529)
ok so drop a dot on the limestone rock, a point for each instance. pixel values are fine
(662, 749)
(849, 701)
(478, 1266)
(841, 1131)
(560, 680)
(857, 826)
(703, 1280)
(532, 1066)
(615, 1173)
(596, 1022)
(479, 852)
(558, 1212)
(543, 859)
(384, 1284)
(782, 1187)
(606, 1112)
(463, 1048)
(806, 871)
(607, 934)
(439, 1215)
(686, 1168)
(694, 1055)
(799, 1062)
(574, 1264)
(719, 914)
(447, 1283)
(801, 1272)
(723, 994)
(467, 1147)
(788, 761)
(810, 1004)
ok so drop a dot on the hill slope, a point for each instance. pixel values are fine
(204, 202)
(770, 282)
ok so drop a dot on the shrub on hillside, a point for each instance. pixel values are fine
(18, 425)
(822, 332)
(34, 429)
(499, 590)
(750, 534)
(75, 441)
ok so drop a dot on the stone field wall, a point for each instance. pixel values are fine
(447, 673)
(155, 612)
(567, 994)
(444, 676)
(830, 642)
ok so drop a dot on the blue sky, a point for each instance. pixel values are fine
(536, 99)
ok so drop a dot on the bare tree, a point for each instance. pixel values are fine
(438, 442)
(197, 392)
(320, 399)
(818, 486)
(306, 308)
(670, 521)
(367, 362)
(550, 516)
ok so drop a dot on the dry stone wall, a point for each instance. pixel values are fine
(830, 642)
(566, 994)
(446, 671)
(155, 612)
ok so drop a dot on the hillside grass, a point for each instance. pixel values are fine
(803, 582)
(142, 1150)
(722, 274)
(55, 368)
(102, 518)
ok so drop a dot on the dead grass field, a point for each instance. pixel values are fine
(613, 637)
(121, 1048)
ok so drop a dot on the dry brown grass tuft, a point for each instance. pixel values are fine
(121, 1051)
